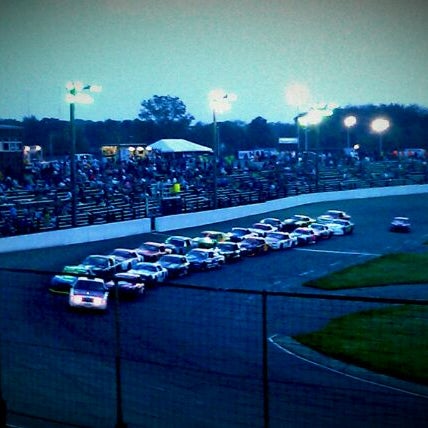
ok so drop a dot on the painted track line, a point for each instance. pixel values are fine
(342, 373)
(350, 253)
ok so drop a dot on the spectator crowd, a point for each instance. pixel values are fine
(43, 195)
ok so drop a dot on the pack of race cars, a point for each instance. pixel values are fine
(128, 272)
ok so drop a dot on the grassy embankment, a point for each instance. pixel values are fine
(392, 340)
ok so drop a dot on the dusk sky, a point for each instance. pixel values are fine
(351, 52)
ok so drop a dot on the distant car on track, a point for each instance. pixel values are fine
(339, 227)
(102, 266)
(204, 259)
(150, 272)
(280, 240)
(127, 258)
(295, 221)
(204, 242)
(400, 224)
(152, 251)
(179, 244)
(62, 282)
(322, 231)
(304, 236)
(275, 222)
(254, 245)
(230, 250)
(128, 285)
(175, 264)
(333, 215)
(237, 234)
(261, 229)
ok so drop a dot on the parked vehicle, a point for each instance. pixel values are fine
(89, 294)
(175, 264)
(400, 224)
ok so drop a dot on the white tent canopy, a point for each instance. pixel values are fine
(176, 145)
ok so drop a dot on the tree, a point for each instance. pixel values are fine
(168, 114)
(259, 134)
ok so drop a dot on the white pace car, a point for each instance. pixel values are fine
(89, 294)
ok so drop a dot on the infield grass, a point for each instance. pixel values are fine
(392, 340)
(400, 268)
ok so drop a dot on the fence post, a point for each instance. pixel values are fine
(265, 362)
(3, 406)
(119, 410)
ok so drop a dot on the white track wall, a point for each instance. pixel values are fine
(181, 221)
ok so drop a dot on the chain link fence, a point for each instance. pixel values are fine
(185, 356)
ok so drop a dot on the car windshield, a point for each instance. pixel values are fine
(176, 242)
(88, 285)
(96, 261)
(149, 247)
(198, 254)
(274, 235)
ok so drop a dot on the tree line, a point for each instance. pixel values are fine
(167, 117)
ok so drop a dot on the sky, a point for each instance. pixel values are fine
(349, 52)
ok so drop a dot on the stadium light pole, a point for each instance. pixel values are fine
(380, 125)
(349, 122)
(219, 102)
(76, 95)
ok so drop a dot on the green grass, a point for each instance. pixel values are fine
(398, 268)
(392, 340)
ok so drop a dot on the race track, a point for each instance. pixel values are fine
(193, 358)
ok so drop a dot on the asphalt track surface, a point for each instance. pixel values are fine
(192, 358)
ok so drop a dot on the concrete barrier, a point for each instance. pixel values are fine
(181, 221)
(77, 235)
